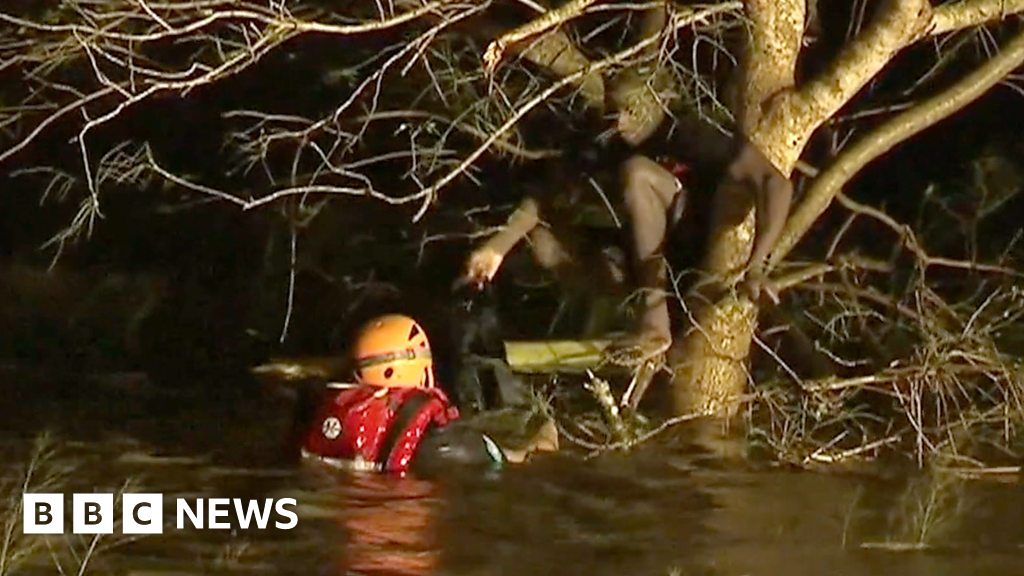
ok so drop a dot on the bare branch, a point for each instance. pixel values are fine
(896, 130)
(911, 242)
(679, 20)
(41, 127)
(793, 115)
(551, 19)
(91, 39)
(502, 144)
(954, 16)
(283, 22)
(556, 52)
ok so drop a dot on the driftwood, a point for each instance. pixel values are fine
(302, 368)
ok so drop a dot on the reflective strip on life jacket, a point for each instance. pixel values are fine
(342, 463)
(406, 439)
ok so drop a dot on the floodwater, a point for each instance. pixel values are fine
(667, 508)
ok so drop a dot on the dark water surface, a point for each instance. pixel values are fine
(664, 509)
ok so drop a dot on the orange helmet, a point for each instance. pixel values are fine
(393, 351)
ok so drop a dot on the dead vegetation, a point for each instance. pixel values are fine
(923, 351)
(47, 469)
(907, 355)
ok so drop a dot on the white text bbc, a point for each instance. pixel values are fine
(143, 513)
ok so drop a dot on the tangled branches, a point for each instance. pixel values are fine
(924, 362)
(88, 63)
(85, 65)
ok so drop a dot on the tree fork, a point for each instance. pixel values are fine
(709, 359)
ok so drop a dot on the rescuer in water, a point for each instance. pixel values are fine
(394, 417)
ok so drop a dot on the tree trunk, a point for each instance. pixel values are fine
(709, 360)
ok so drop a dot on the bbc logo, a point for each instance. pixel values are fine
(144, 513)
(93, 513)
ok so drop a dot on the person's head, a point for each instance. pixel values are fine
(637, 114)
(393, 351)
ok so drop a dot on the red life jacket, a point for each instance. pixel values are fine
(372, 428)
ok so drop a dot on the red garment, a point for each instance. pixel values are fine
(677, 168)
(376, 428)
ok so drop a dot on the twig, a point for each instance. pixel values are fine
(502, 144)
(912, 244)
(543, 23)
(291, 284)
(678, 21)
(846, 454)
(603, 394)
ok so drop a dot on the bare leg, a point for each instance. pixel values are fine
(586, 278)
(773, 193)
(649, 191)
(548, 251)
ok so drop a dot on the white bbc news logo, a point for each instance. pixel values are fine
(144, 513)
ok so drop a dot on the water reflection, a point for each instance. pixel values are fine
(662, 508)
(389, 525)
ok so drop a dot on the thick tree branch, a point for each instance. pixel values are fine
(769, 58)
(768, 66)
(539, 25)
(710, 361)
(882, 139)
(967, 13)
(793, 116)
(556, 52)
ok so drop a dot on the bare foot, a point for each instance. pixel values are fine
(545, 440)
(755, 284)
(636, 349)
